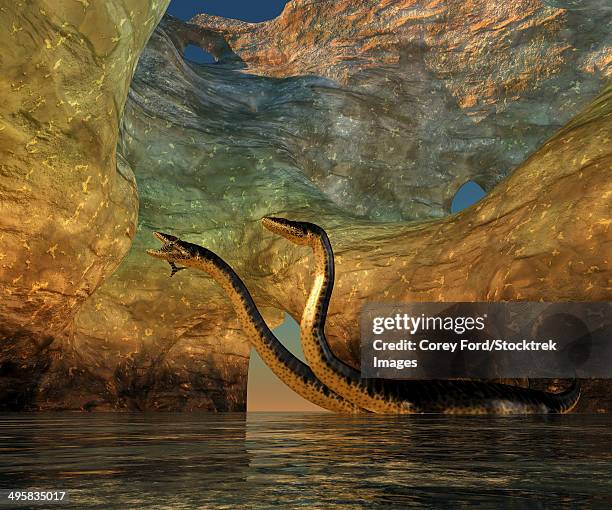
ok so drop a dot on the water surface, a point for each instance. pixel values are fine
(259, 460)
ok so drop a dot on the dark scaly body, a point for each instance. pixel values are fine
(285, 365)
(392, 396)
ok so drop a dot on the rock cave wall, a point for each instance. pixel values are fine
(364, 117)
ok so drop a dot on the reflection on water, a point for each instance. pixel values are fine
(309, 460)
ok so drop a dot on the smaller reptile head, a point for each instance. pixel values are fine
(298, 232)
(173, 249)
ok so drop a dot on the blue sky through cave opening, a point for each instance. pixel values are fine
(246, 10)
(196, 54)
(466, 195)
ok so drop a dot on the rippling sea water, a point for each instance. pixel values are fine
(260, 460)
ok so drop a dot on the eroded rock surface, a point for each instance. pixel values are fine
(68, 207)
(360, 118)
(423, 96)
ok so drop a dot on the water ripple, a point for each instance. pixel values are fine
(260, 460)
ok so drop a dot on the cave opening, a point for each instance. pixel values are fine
(197, 55)
(265, 392)
(467, 195)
